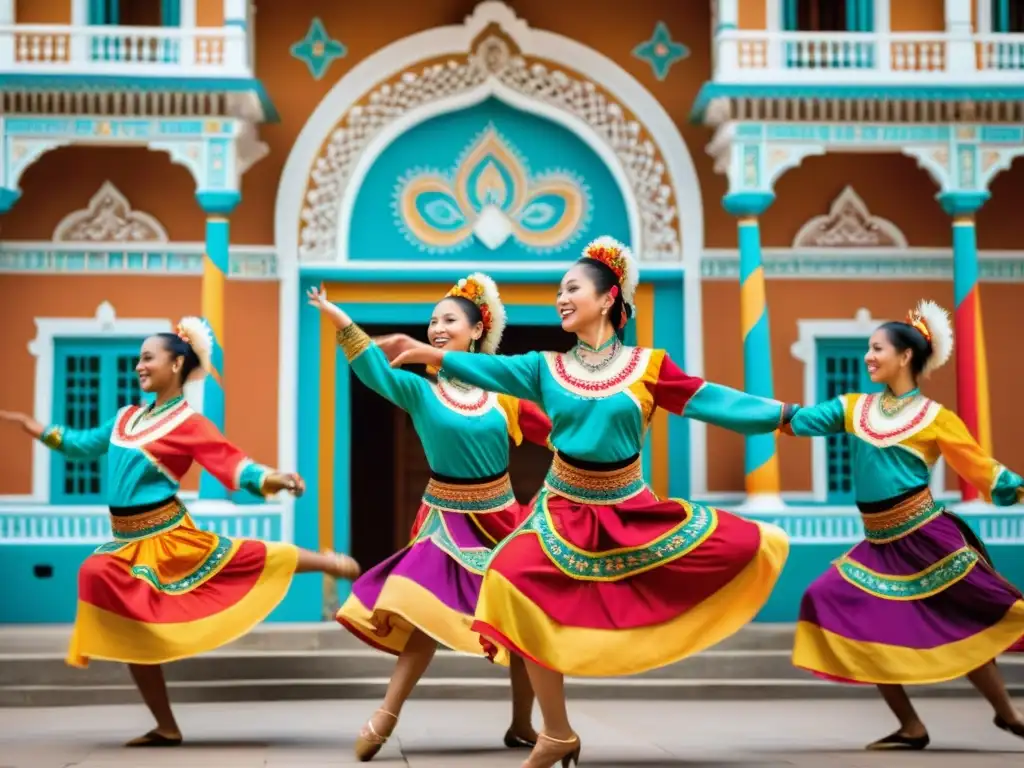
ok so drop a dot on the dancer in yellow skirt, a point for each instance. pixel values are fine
(604, 578)
(164, 590)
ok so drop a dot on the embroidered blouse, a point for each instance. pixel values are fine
(148, 454)
(603, 416)
(464, 429)
(899, 440)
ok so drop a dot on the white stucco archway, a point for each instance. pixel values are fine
(408, 82)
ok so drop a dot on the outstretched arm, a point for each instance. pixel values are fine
(995, 482)
(828, 418)
(516, 375)
(73, 443)
(695, 398)
(226, 462)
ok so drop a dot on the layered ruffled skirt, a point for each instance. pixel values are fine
(605, 579)
(164, 590)
(917, 602)
(432, 585)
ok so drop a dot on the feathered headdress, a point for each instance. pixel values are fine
(483, 291)
(933, 323)
(197, 334)
(619, 259)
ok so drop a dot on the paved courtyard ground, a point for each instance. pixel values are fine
(447, 734)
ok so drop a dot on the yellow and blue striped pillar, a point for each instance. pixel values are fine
(761, 462)
(971, 365)
(217, 206)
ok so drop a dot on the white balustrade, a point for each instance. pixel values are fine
(146, 51)
(891, 58)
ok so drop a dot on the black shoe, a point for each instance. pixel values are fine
(900, 741)
(1017, 729)
(512, 741)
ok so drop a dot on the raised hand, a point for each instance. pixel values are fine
(394, 344)
(317, 297)
(26, 422)
(419, 353)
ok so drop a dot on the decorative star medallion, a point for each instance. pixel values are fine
(661, 51)
(317, 49)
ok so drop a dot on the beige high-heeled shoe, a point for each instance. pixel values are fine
(345, 567)
(370, 742)
(550, 751)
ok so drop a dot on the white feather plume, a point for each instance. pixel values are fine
(491, 339)
(197, 334)
(631, 277)
(937, 320)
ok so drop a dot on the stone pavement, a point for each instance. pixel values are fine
(454, 734)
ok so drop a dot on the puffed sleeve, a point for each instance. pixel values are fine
(996, 483)
(516, 375)
(371, 366)
(695, 398)
(220, 457)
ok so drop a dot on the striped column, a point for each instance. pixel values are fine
(761, 462)
(217, 206)
(971, 368)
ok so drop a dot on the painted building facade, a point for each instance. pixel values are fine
(790, 173)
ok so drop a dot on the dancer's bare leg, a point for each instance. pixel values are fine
(557, 739)
(522, 703)
(896, 697)
(149, 679)
(989, 682)
(339, 566)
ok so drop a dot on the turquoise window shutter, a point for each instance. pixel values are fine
(170, 13)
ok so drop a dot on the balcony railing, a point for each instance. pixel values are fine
(864, 57)
(107, 50)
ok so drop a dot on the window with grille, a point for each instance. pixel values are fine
(93, 379)
(841, 370)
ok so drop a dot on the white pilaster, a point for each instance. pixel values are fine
(960, 53)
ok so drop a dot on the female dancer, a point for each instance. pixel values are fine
(427, 592)
(918, 601)
(604, 578)
(164, 590)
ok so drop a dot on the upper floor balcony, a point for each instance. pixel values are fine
(127, 38)
(870, 42)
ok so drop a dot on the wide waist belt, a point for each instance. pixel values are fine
(900, 519)
(127, 527)
(595, 486)
(488, 496)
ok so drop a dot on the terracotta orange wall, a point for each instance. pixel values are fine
(792, 300)
(917, 15)
(752, 14)
(209, 13)
(42, 11)
(250, 364)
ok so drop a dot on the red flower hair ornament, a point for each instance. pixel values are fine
(483, 292)
(620, 260)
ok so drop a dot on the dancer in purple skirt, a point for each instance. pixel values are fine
(427, 593)
(918, 601)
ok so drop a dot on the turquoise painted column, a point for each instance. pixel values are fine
(761, 462)
(217, 206)
(971, 364)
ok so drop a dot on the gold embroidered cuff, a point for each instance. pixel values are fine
(353, 341)
(52, 437)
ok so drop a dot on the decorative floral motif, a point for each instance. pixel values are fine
(598, 387)
(581, 565)
(109, 218)
(317, 49)
(491, 194)
(916, 586)
(661, 51)
(492, 496)
(147, 524)
(462, 406)
(594, 486)
(849, 224)
(493, 58)
(433, 529)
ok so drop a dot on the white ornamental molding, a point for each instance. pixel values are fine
(497, 65)
(849, 224)
(109, 218)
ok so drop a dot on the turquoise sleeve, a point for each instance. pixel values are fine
(400, 387)
(79, 443)
(516, 375)
(732, 409)
(252, 477)
(1008, 489)
(828, 418)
